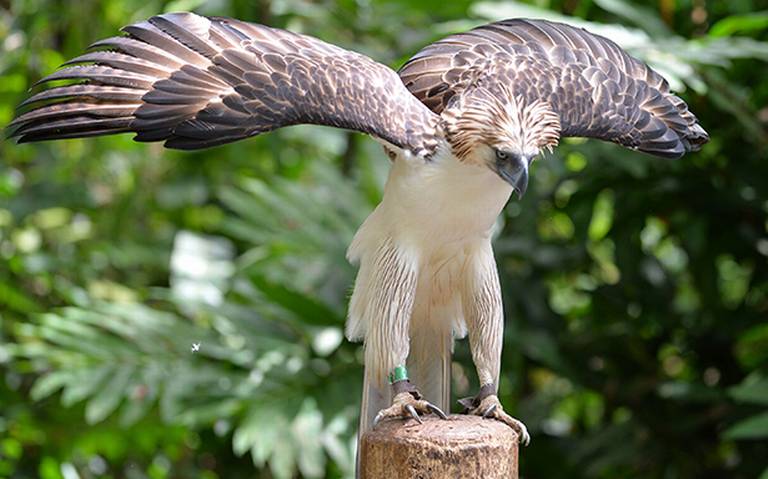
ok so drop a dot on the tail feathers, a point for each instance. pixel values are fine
(429, 364)
(375, 398)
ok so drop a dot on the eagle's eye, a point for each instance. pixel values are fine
(501, 155)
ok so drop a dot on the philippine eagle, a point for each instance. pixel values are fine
(461, 121)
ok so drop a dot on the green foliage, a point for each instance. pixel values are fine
(180, 315)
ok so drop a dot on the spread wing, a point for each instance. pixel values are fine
(196, 82)
(597, 89)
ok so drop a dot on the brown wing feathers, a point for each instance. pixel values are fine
(195, 82)
(597, 89)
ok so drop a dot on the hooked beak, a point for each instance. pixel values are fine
(515, 172)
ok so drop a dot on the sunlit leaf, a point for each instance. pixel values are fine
(50, 383)
(602, 216)
(752, 22)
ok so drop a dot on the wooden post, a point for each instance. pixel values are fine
(460, 447)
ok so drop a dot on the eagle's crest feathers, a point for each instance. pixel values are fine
(496, 118)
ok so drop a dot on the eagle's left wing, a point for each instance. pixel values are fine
(597, 89)
(196, 82)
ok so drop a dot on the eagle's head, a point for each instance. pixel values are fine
(494, 128)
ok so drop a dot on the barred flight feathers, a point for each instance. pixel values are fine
(196, 82)
(596, 88)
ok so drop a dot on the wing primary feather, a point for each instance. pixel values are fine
(190, 30)
(83, 91)
(75, 127)
(139, 49)
(58, 110)
(148, 33)
(196, 82)
(124, 62)
(103, 75)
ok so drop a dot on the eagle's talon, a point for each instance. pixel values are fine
(406, 406)
(488, 412)
(412, 411)
(379, 417)
(436, 410)
(490, 408)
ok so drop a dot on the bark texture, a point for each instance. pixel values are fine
(461, 447)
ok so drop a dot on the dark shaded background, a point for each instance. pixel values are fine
(636, 288)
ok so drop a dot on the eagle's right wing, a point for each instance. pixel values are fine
(596, 88)
(195, 82)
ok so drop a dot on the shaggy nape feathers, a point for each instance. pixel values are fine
(500, 120)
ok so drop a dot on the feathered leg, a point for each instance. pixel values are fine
(384, 295)
(484, 315)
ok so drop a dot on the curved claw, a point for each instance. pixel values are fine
(436, 410)
(378, 418)
(489, 412)
(525, 439)
(412, 411)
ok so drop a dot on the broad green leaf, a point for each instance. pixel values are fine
(183, 5)
(259, 431)
(754, 389)
(108, 398)
(683, 391)
(755, 427)
(305, 308)
(50, 383)
(602, 216)
(308, 430)
(284, 460)
(49, 468)
(16, 299)
(85, 383)
(752, 346)
(749, 23)
(142, 395)
(644, 18)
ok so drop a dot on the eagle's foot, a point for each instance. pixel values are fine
(487, 405)
(407, 403)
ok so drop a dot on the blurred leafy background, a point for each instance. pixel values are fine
(636, 288)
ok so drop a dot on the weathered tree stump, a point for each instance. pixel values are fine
(461, 447)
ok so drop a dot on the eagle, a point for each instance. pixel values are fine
(461, 123)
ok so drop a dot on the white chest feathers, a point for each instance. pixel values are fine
(413, 249)
(429, 206)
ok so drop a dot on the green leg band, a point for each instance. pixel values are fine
(399, 374)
